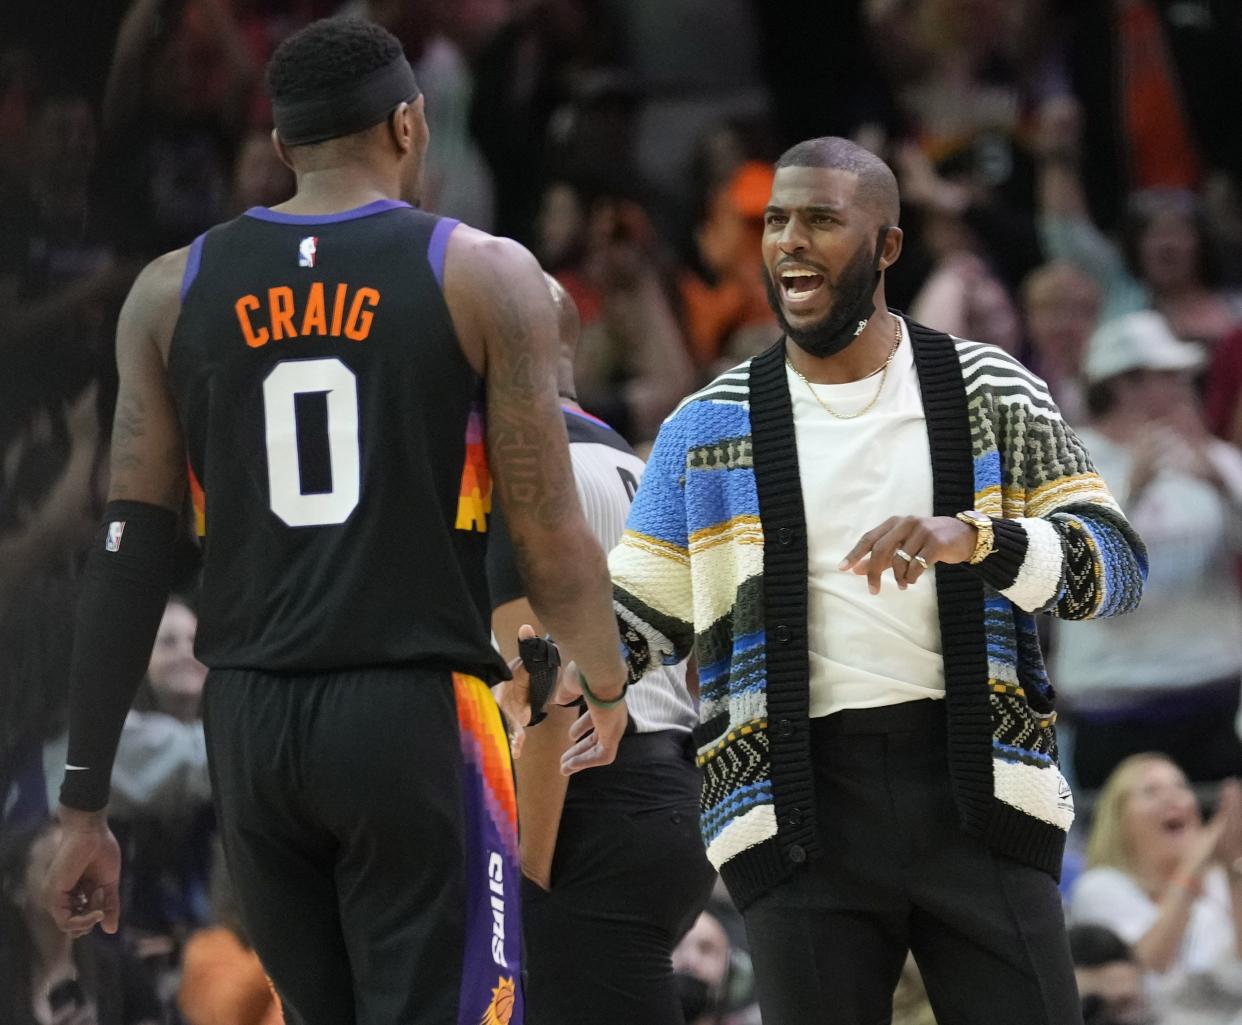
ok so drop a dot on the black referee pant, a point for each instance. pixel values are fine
(898, 874)
(629, 877)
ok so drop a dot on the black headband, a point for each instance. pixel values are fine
(348, 109)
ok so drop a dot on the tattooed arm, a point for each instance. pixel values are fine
(148, 454)
(507, 324)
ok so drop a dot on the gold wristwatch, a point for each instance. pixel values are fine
(985, 543)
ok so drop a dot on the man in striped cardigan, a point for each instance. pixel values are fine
(854, 534)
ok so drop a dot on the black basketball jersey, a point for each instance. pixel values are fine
(336, 445)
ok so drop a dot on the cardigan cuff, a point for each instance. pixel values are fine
(1027, 564)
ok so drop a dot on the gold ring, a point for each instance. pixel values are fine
(905, 555)
(922, 562)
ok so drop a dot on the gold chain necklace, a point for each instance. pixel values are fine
(882, 371)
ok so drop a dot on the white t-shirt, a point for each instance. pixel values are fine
(866, 650)
(1207, 969)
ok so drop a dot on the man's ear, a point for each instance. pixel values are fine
(400, 129)
(888, 246)
(408, 125)
(281, 151)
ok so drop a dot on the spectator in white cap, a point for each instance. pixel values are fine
(1167, 677)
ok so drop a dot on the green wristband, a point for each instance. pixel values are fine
(591, 699)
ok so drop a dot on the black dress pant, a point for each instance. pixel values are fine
(629, 877)
(898, 874)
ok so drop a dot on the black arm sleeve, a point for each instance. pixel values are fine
(128, 576)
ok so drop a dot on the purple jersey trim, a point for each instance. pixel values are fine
(438, 245)
(262, 213)
(192, 263)
(582, 414)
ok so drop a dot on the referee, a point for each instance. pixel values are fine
(614, 871)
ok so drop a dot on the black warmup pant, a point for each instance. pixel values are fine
(1194, 727)
(369, 827)
(629, 877)
(897, 874)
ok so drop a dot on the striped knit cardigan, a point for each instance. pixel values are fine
(714, 560)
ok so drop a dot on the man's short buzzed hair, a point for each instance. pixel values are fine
(326, 55)
(877, 185)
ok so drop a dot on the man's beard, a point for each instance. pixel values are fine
(852, 293)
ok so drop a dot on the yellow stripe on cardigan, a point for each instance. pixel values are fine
(742, 530)
(1051, 496)
(1013, 690)
(654, 546)
(1018, 501)
(742, 731)
(990, 502)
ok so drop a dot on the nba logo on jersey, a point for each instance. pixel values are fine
(307, 250)
(115, 529)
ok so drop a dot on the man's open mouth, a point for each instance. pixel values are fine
(799, 284)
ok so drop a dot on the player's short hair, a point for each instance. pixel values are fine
(877, 185)
(327, 55)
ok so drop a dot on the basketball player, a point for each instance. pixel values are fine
(326, 365)
(614, 871)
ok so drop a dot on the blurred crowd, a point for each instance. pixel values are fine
(1071, 180)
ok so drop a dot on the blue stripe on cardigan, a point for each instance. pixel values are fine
(715, 818)
(987, 470)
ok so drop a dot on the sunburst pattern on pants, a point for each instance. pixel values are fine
(490, 991)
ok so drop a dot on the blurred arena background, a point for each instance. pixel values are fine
(1071, 176)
